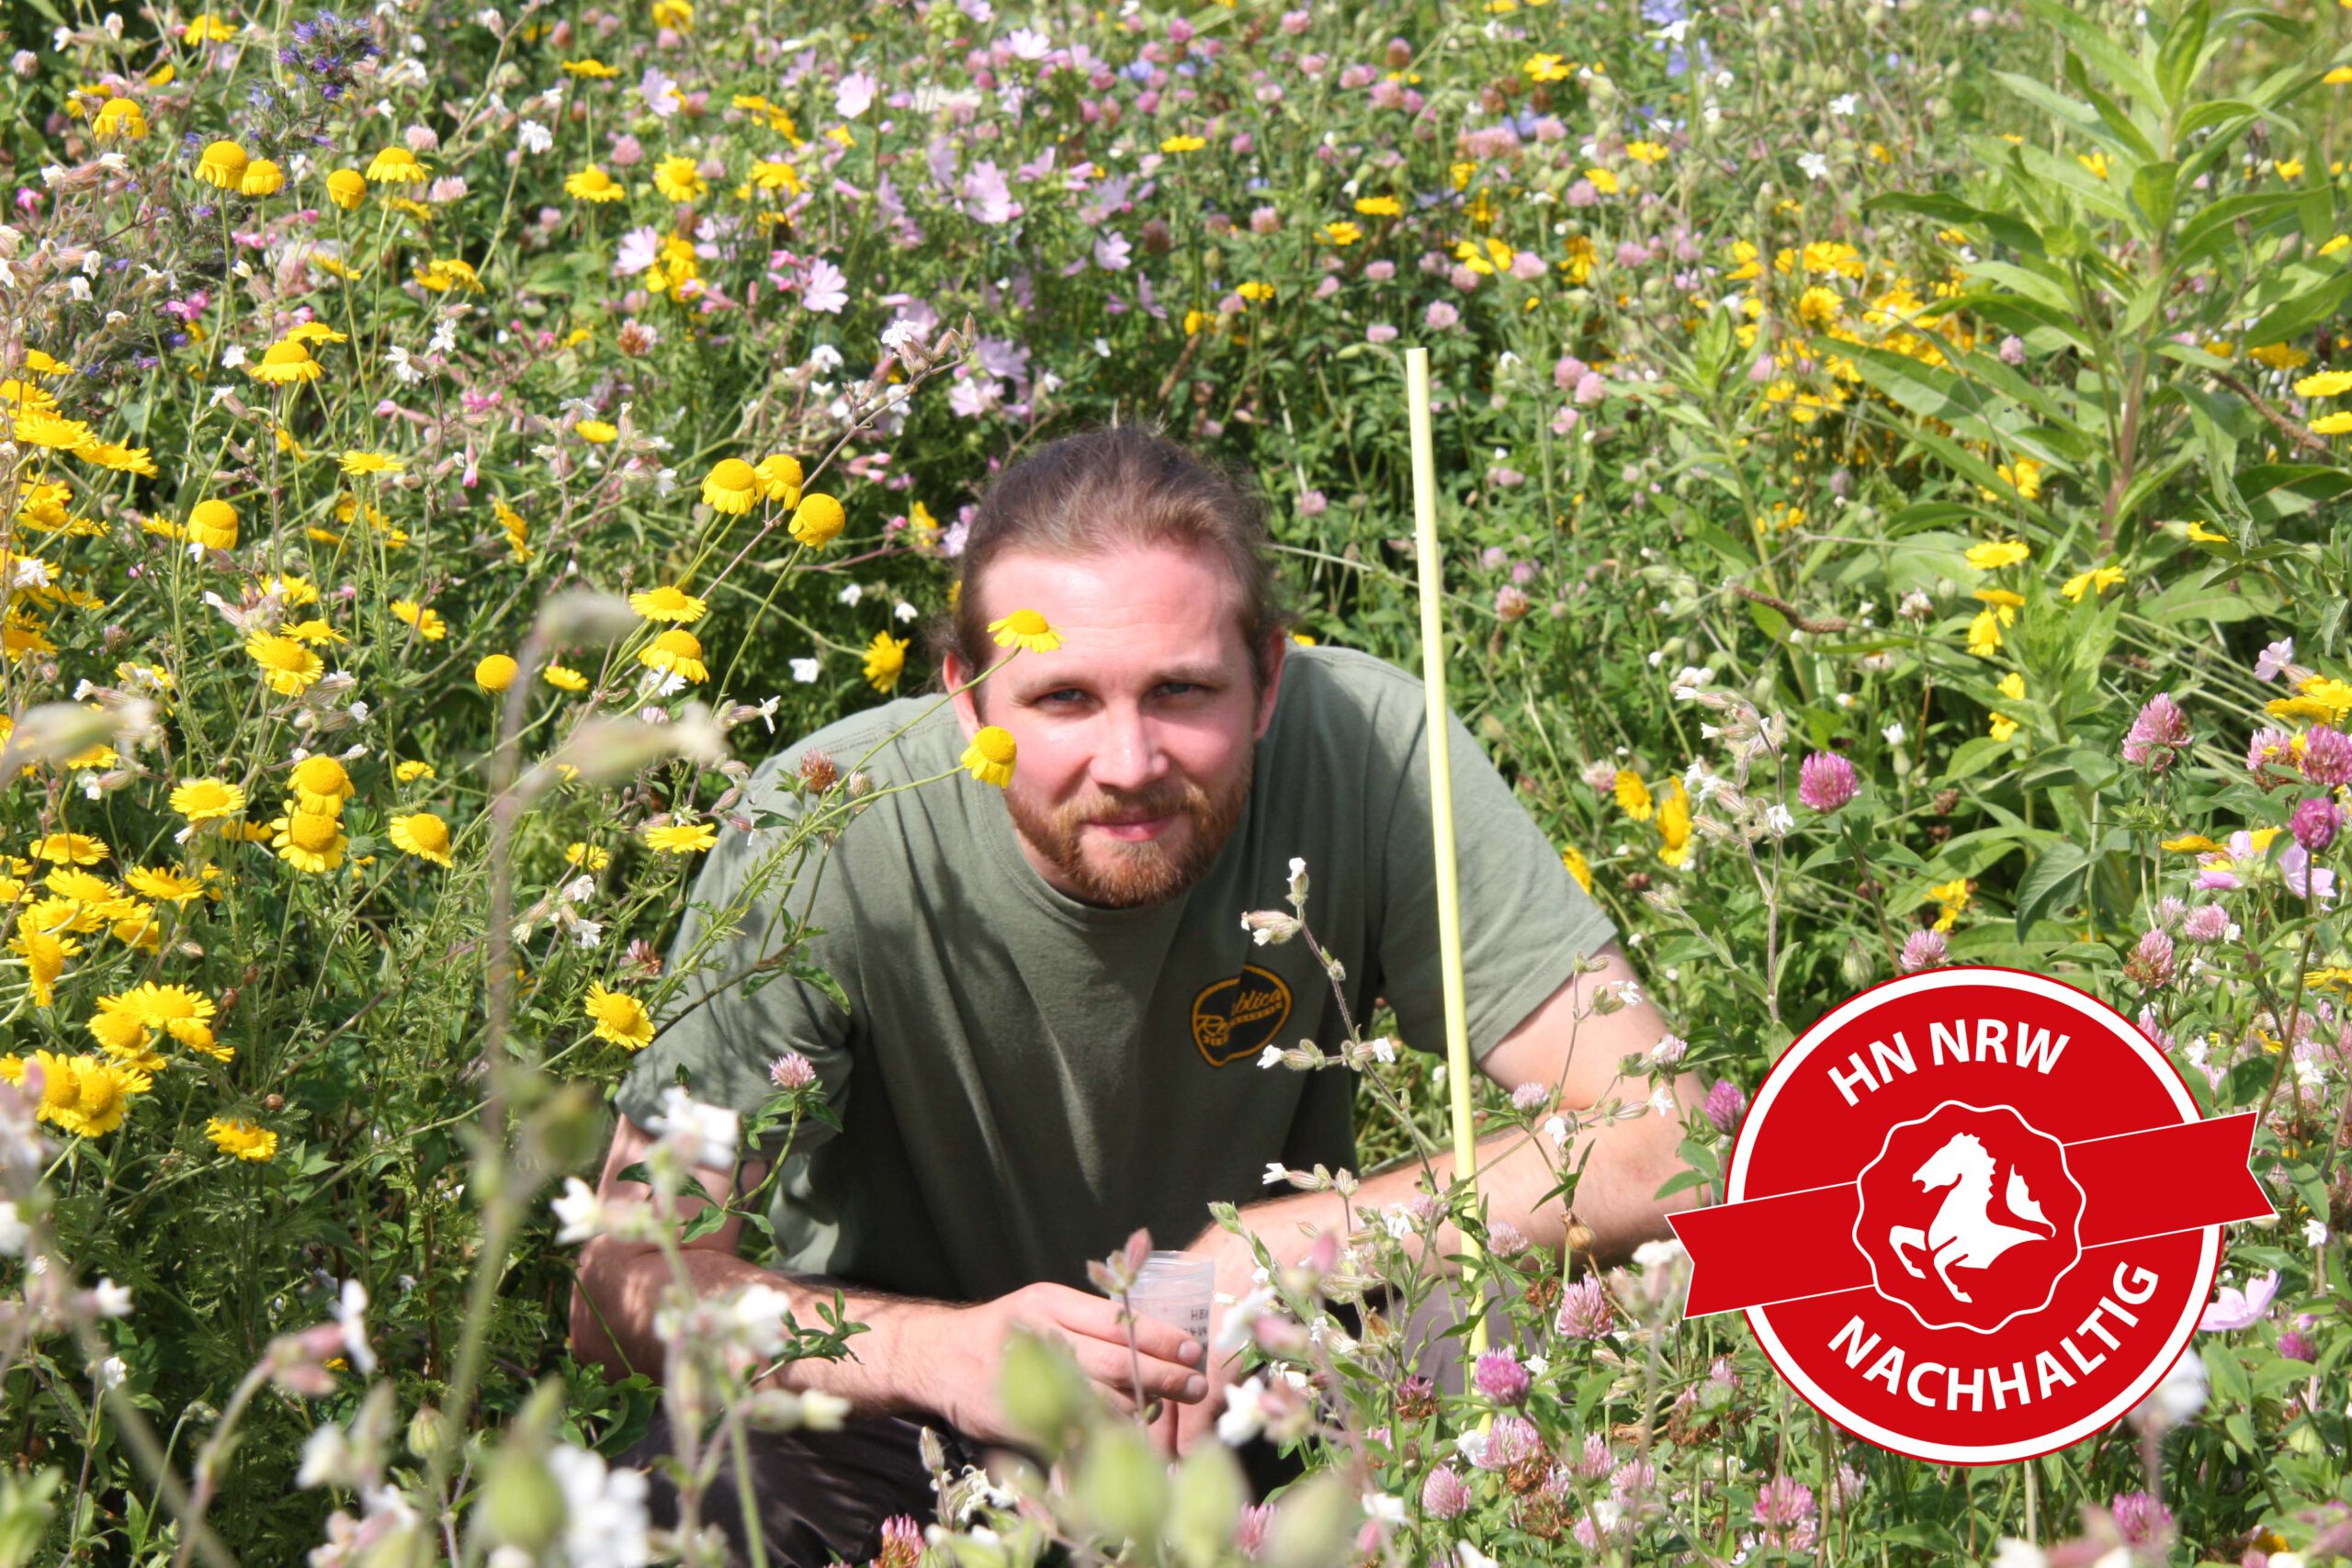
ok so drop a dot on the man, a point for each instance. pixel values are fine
(1056, 1014)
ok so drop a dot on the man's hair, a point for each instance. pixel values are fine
(1111, 488)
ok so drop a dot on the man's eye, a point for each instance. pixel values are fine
(1178, 688)
(1054, 699)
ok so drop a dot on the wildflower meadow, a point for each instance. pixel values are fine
(1892, 461)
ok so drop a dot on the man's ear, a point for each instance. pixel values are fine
(1277, 649)
(955, 672)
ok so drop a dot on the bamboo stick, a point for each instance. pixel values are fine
(1430, 567)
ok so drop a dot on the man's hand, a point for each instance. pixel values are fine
(970, 1343)
(1181, 1425)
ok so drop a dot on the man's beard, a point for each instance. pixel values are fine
(1146, 872)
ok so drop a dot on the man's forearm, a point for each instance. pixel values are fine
(1615, 1197)
(620, 1290)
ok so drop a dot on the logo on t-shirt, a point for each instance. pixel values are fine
(1239, 1017)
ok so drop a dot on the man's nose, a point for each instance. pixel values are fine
(1129, 758)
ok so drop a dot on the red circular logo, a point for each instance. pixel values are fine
(1972, 1215)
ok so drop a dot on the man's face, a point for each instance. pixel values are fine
(1136, 736)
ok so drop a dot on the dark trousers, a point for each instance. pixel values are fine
(823, 1497)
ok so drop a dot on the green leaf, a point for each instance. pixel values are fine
(2154, 192)
(2227, 1374)
(2046, 881)
(2095, 46)
(1973, 756)
(2183, 51)
(2306, 309)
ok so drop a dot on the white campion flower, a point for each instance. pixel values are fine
(533, 137)
(1244, 1415)
(579, 1211)
(232, 356)
(1556, 1129)
(110, 1300)
(1383, 1508)
(1781, 819)
(112, 1373)
(804, 671)
(1275, 1172)
(350, 1311)
(2178, 1398)
(700, 1134)
(14, 1231)
(1843, 105)
(606, 1521)
(1814, 165)
(755, 1316)
(1271, 1056)
(1663, 1102)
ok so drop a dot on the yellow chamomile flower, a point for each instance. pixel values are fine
(592, 184)
(1026, 629)
(69, 849)
(213, 524)
(668, 602)
(347, 189)
(496, 672)
(421, 834)
(677, 652)
(207, 800)
(779, 475)
(1999, 553)
(676, 178)
(284, 363)
(886, 660)
(682, 837)
(587, 856)
(371, 463)
(221, 163)
(816, 521)
(731, 486)
(1182, 144)
(620, 1018)
(395, 166)
(2094, 582)
(989, 757)
(119, 117)
(263, 176)
(309, 841)
(321, 785)
(424, 617)
(1633, 795)
(240, 1139)
(564, 678)
(596, 432)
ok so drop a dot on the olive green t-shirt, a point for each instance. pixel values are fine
(1023, 1078)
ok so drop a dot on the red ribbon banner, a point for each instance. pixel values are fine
(2152, 1182)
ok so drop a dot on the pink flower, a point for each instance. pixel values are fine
(1924, 949)
(2315, 823)
(1440, 316)
(1726, 1103)
(792, 1070)
(2207, 922)
(1826, 782)
(826, 288)
(1249, 1533)
(2270, 747)
(2233, 1309)
(1585, 1311)
(1590, 389)
(2158, 736)
(2328, 756)
(1380, 331)
(1500, 1378)
(1512, 1439)
(2140, 1519)
(1444, 1494)
(2272, 662)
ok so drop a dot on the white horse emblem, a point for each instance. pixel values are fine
(1962, 1234)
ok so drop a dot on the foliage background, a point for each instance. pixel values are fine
(1754, 328)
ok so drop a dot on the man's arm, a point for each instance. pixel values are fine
(1630, 1160)
(916, 1355)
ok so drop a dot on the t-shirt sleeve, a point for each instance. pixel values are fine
(727, 1021)
(1526, 921)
